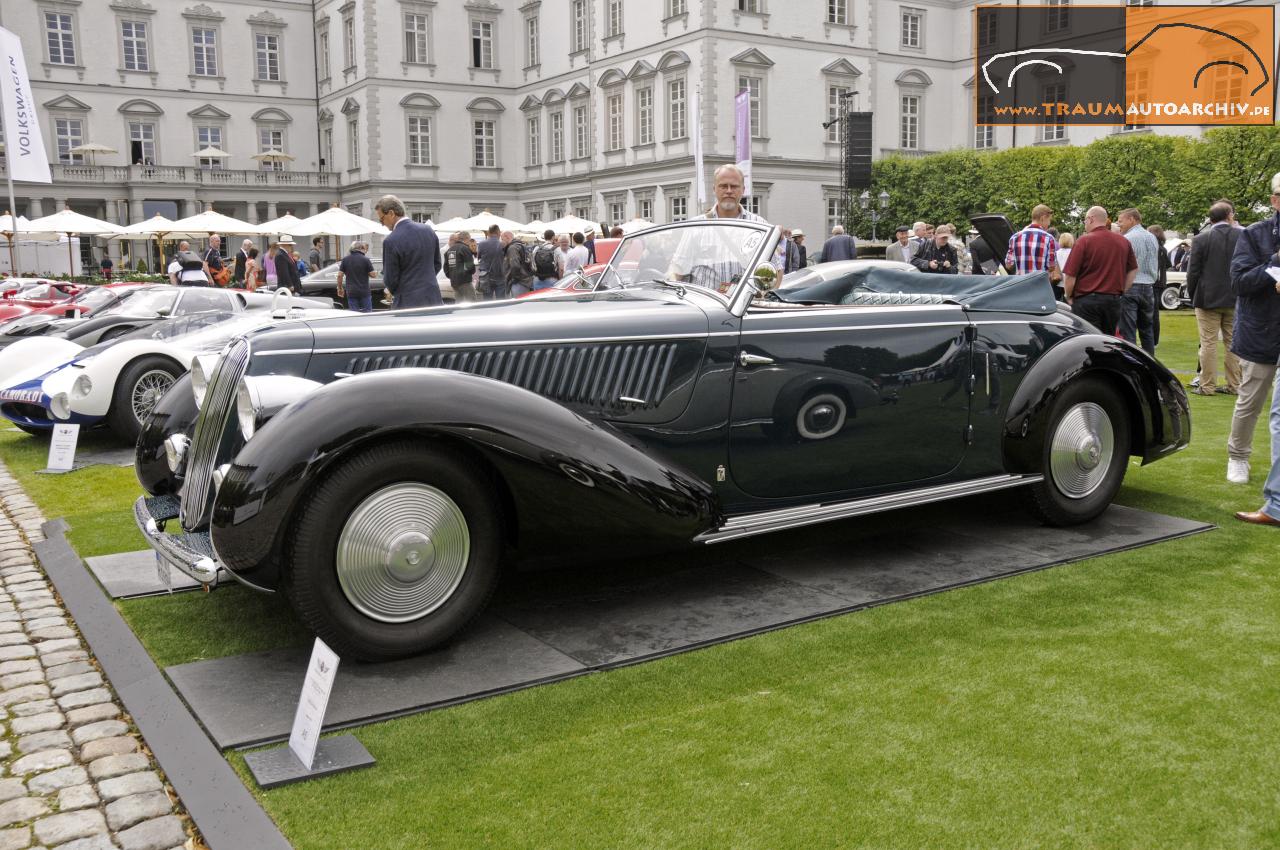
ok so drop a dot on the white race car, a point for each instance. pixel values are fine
(47, 380)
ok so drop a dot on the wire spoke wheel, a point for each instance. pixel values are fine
(147, 391)
(1080, 454)
(402, 552)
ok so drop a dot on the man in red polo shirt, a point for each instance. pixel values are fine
(1101, 268)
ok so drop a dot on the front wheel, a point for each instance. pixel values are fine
(1085, 453)
(1169, 297)
(395, 552)
(137, 390)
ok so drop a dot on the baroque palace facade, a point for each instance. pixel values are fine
(527, 108)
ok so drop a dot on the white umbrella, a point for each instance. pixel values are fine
(209, 222)
(536, 226)
(211, 153)
(634, 225)
(273, 155)
(92, 148)
(283, 224)
(11, 227)
(159, 227)
(336, 221)
(573, 224)
(483, 221)
(68, 221)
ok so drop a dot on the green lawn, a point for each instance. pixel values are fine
(1123, 701)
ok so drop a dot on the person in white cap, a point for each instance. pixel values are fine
(797, 236)
(286, 268)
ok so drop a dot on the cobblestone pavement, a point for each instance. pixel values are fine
(74, 774)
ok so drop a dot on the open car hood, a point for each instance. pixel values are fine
(995, 230)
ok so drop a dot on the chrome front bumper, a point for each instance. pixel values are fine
(192, 554)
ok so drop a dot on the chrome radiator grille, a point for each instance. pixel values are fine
(598, 376)
(211, 426)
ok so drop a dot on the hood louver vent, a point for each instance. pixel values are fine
(615, 376)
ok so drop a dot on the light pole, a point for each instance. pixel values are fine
(864, 200)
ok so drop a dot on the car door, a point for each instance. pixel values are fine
(830, 399)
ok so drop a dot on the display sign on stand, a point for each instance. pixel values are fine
(307, 756)
(62, 448)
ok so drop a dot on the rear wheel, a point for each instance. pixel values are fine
(139, 387)
(1085, 453)
(395, 552)
(1169, 299)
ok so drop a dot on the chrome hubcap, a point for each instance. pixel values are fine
(1081, 452)
(147, 391)
(403, 552)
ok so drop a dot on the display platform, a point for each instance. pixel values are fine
(128, 575)
(557, 624)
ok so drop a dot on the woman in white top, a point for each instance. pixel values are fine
(1065, 241)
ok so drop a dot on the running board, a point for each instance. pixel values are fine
(748, 525)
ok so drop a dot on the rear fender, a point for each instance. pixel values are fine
(575, 485)
(1159, 416)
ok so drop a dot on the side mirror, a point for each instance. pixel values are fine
(765, 277)
(70, 313)
(164, 312)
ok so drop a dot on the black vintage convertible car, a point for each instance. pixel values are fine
(376, 468)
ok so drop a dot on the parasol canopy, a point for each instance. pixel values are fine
(273, 155)
(210, 221)
(573, 224)
(336, 221)
(483, 221)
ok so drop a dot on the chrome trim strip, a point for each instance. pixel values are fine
(748, 525)
(515, 342)
(843, 309)
(860, 327)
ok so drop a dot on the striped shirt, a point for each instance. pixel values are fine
(1032, 249)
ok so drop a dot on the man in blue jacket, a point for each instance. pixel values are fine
(1257, 337)
(410, 257)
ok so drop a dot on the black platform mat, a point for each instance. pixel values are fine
(552, 625)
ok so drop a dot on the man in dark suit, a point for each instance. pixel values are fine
(1209, 284)
(840, 246)
(410, 257)
(242, 257)
(286, 268)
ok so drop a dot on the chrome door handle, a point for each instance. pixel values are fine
(749, 360)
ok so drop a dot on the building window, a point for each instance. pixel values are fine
(578, 14)
(134, 36)
(415, 39)
(531, 41)
(270, 139)
(984, 136)
(326, 148)
(912, 21)
(909, 125)
(482, 133)
(322, 54)
(582, 211)
(348, 42)
(676, 110)
(754, 86)
(834, 214)
(749, 6)
(419, 139)
(267, 47)
(613, 19)
(1057, 18)
(838, 11)
(580, 130)
(556, 211)
(676, 7)
(1137, 89)
(613, 108)
(617, 212)
(644, 115)
(557, 137)
(836, 110)
(481, 44)
(69, 133)
(142, 142)
(209, 137)
(533, 127)
(1228, 83)
(644, 208)
(751, 204)
(1055, 93)
(988, 29)
(353, 143)
(204, 46)
(58, 31)
(679, 208)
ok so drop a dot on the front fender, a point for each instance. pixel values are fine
(105, 368)
(1159, 415)
(573, 484)
(174, 413)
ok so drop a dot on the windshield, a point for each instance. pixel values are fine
(96, 297)
(714, 255)
(202, 332)
(42, 292)
(147, 302)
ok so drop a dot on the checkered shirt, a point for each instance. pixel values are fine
(1032, 249)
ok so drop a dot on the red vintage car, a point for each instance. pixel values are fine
(20, 300)
(585, 282)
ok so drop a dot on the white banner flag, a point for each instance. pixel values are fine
(23, 144)
(695, 121)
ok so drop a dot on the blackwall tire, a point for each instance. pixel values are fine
(137, 390)
(1085, 454)
(398, 550)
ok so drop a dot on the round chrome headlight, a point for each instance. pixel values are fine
(201, 372)
(82, 387)
(175, 450)
(60, 406)
(246, 411)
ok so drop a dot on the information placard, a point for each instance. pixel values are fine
(321, 671)
(62, 447)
